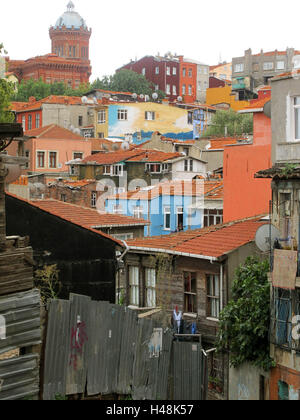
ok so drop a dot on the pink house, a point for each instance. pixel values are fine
(51, 147)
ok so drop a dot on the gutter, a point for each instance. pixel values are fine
(182, 254)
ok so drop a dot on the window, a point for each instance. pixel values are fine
(29, 122)
(102, 116)
(156, 70)
(63, 197)
(190, 73)
(167, 218)
(283, 391)
(70, 51)
(190, 292)
(134, 286)
(296, 117)
(74, 51)
(24, 123)
(149, 116)
(280, 65)
(186, 151)
(283, 317)
(77, 155)
(165, 167)
(168, 89)
(123, 236)
(117, 209)
(183, 89)
(239, 68)
(122, 114)
(174, 90)
(41, 159)
(205, 70)
(119, 190)
(268, 65)
(150, 277)
(213, 296)
(27, 155)
(107, 170)
(52, 160)
(156, 87)
(117, 170)
(37, 121)
(184, 72)
(154, 168)
(100, 135)
(174, 71)
(80, 119)
(168, 71)
(179, 219)
(188, 165)
(144, 71)
(138, 212)
(93, 198)
(190, 89)
(212, 217)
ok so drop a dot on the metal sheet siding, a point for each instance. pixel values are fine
(19, 378)
(21, 312)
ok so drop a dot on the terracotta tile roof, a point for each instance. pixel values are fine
(211, 242)
(85, 217)
(287, 75)
(197, 188)
(179, 142)
(52, 99)
(220, 143)
(257, 104)
(111, 158)
(73, 184)
(53, 132)
(153, 156)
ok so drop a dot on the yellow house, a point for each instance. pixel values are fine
(11, 77)
(137, 121)
(224, 95)
(221, 71)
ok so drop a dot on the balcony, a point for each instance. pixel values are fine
(239, 86)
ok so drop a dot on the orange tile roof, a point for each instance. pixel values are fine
(181, 142)
(111, 158)
(73, 184)
(212, 190)
(288, 74)
(84, 217)
(212, 242)
(220, 143)
(52, 99)
(258, 103)
(53, 131)
(153, 156)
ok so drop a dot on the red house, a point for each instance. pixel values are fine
(244, 195)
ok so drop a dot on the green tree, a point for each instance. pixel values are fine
(6, 93)
(230, 122)
(245, 321)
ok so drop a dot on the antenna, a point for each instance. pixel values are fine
(266, 236)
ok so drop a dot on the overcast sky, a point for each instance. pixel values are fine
(126, 29)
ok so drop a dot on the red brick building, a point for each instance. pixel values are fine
(68, 61)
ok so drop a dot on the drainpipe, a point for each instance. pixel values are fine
(125, 252)
(221, 286)
(117, 291)
(3, 173)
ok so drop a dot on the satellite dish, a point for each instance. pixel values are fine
(266, 236)
(84, 99)
(155, 96)
(179, 99)
(142, 96)
(134, 95)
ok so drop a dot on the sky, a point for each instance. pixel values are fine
(207, 31)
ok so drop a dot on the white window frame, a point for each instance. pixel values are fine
(213, 299)
(174, 71)
(268, 65)
(183, 89)
(179, 210)
(190, 90)
(168, 71)
(107, 170)
(102, 116)
(282, 67)
(138, 212)
(150, 115)
(117, 170)
(156, 70)
(168, 89)
(45, 159)
(167, 211)
(122, 114)
(56, 160)
(77, 153)
(174, 90)
(239, 68)
(150, 283)
(24, 122)
(293, 119)
(144, 71)
(118, 209)
(134, 286)
(94, 199)
(150, 165)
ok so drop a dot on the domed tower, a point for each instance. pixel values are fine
(70, 35)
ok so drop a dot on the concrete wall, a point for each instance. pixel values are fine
(244, 383)
(67, 115)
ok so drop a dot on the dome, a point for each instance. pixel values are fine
(71, 19)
